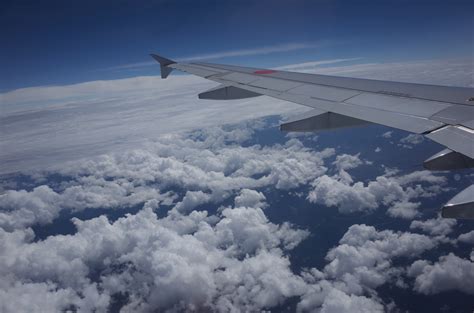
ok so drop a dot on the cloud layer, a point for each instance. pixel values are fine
(210, 167)
(201, 254)
(42, 126)
(200, 237)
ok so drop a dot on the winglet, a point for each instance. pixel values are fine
(164, 62)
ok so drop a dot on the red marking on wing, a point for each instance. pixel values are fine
(264, 72)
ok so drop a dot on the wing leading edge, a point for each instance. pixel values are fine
(443, 114)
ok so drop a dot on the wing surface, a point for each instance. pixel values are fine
(445, 114)
(442, 113)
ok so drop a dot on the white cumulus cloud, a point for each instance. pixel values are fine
(449, 273)
(396, 192)
(232, 261)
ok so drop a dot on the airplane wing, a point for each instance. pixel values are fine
(443, 114)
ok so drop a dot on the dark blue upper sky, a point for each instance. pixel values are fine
(60, 42)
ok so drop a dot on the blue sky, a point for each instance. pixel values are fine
(57, 42)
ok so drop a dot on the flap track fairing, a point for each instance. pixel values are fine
(223, 92)
(317, 120)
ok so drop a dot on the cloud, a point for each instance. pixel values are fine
(308, 66)
(325, 298)
(22, 208)
(333, 192)
(234, 261)
(452, 72)
(212, 165)
(288, 47)
(449, 273)
(411, 140)
(347, 161)
(360, 263)
(208, 165)
(435, 226)
(396, 192)
(253, 51)
(363, 254)
(404, 209)
(250, 198)
(111, 117)
(189, 260)
(47, 297)
(387, 134)
(467, 237)
(62, 123)
(191, 200)
(42, 205)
